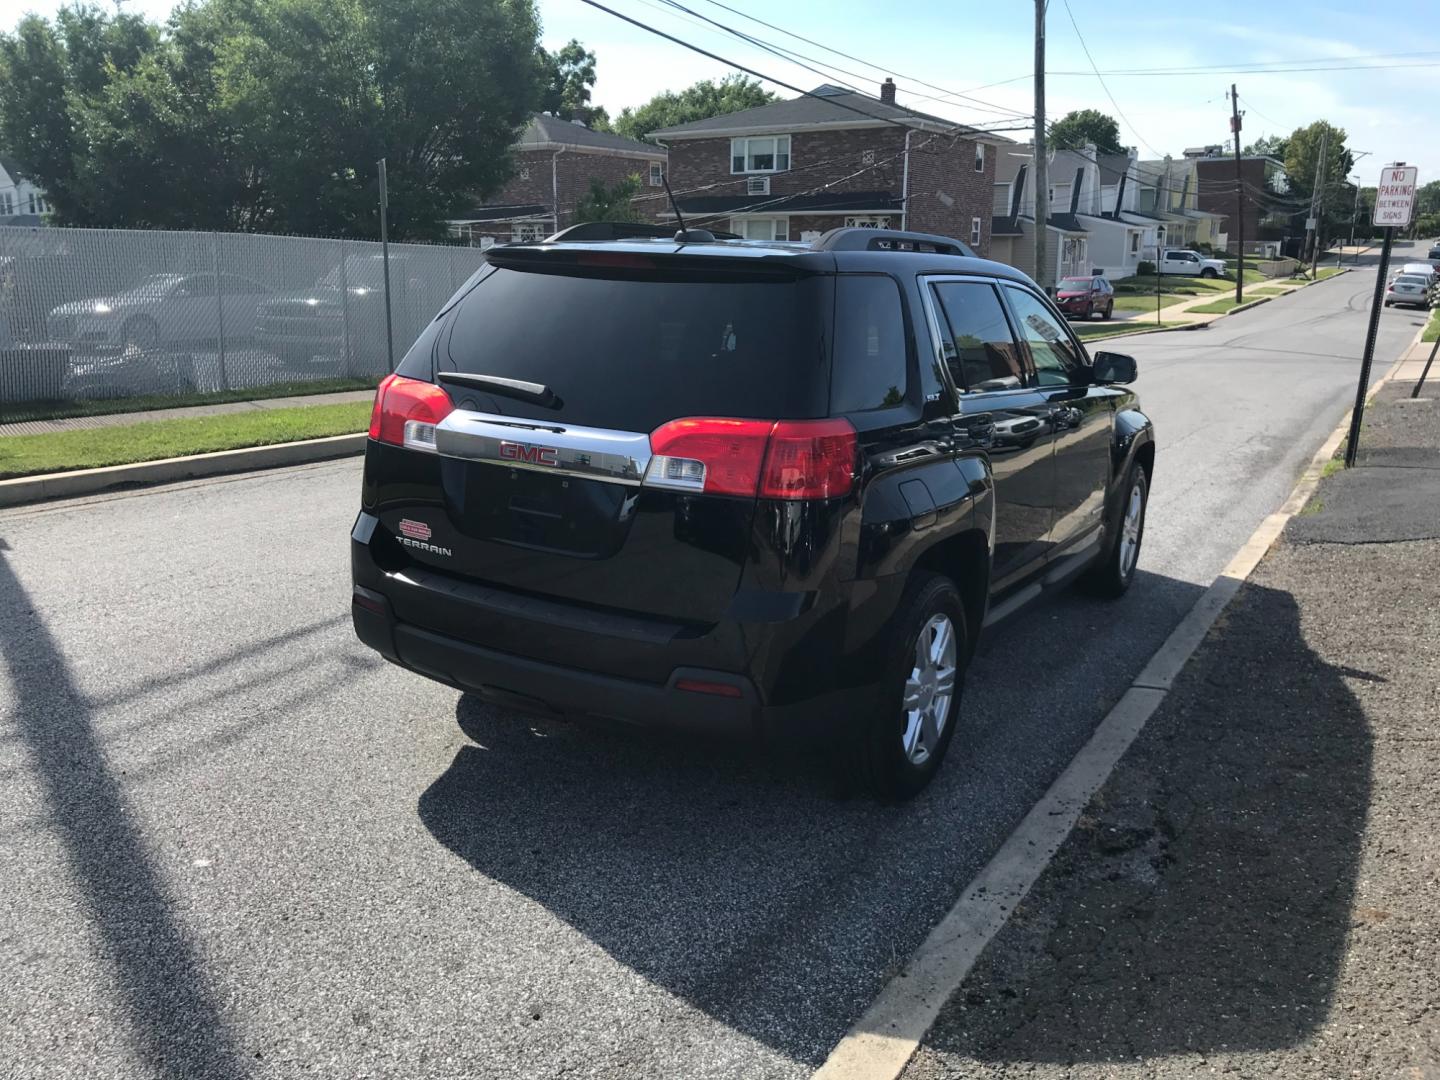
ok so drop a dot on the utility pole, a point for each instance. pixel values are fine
(1320, 185)
(1239, 200)
(1043, 277)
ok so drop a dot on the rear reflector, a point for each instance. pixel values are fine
(406, 412)
(716, 689)
(785, 459)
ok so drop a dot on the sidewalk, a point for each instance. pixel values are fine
(78, 423)
(1256, 890)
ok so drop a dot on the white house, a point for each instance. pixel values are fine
(21, 202)
(1086, 232)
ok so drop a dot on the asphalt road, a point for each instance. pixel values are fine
(235, 844)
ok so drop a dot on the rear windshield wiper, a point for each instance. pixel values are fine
(537, 393)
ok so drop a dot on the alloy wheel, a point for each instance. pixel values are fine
(1130, 528)
(930, 689)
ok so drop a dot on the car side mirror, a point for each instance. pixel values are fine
(1115, 368)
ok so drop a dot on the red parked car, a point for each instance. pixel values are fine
(1084, 296)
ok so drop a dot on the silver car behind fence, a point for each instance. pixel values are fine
(112, 313)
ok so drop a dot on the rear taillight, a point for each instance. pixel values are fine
(785, 459)
(809, 459)
(406, 412)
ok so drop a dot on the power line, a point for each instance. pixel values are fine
(920, 126)
(1101, 80)
(795, 57)
(883, 70)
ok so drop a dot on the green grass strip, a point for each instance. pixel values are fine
(1432, 328)
(1085, 331)
(1216, 307)
(11, 412)
(91, 448)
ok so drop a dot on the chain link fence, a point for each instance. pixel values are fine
(110, 315)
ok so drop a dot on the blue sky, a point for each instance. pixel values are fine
(957, 45)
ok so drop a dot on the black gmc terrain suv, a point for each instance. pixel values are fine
(742, 487)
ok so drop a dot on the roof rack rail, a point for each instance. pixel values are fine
(857, 238)
(623, 230)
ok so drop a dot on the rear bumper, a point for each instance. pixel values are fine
(731, 703)
(531, 686)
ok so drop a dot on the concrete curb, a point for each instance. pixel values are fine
(881, 1043)
(30, 489)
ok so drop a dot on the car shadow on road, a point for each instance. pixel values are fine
(175, 1022)
(1204, 902)
(745, 881)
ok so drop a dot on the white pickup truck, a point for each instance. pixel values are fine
(1184, 261)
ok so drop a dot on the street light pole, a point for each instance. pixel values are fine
(1043, 277)
(1356, 155)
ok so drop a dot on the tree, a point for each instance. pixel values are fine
(1073, 130)
(1268, 146)
(1427, 198)
(701, 101)
(569, 77)
(270, 114)
(1302, 157)
(609, 204)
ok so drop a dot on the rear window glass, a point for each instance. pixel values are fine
(631, 353)
(980, 349)
(870, 357)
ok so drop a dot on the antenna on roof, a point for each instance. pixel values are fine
(673, 204)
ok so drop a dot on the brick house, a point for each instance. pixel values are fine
(794, 169)
(1265, 209)
(554, 163)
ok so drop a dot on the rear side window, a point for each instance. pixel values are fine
(630, 353)
(870, 356)
(979, 347)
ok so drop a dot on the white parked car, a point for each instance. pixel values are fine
(1185, 261)
(162, 310)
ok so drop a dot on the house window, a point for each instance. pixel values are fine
(524, 174)
(657, 172)
(762, 228)
(7, 203)
(979, 157)
(975, 232)
(768, 153)
(867, 157)
(1134, 243)
(527, 231)
(868, 221)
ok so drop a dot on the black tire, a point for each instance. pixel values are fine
(880, 762)
(1112, 574)
(1209, 272)
(142, 332)
(1090, 311)
(1109, 310)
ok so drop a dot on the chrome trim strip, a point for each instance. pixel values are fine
(614, 457)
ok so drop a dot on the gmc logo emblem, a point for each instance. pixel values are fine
(533, 455)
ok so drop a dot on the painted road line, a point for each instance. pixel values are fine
(885, 1038)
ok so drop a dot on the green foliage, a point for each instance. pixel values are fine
(1302, 154)
(1274, 146)
(1075, 129)
(270, 114)
(701, 101)
(570, 76)
(609, 204)
(1427, 225)
(1145, 268)
(1427, 198)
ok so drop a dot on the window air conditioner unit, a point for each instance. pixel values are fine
(757, 185)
